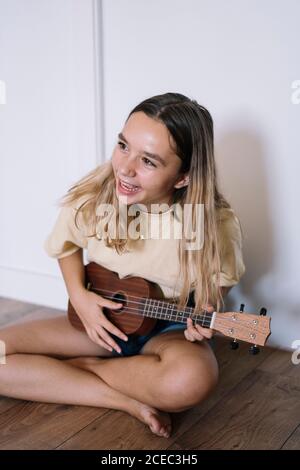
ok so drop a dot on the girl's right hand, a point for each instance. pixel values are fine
(88, 307)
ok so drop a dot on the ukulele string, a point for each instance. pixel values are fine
(205, 322)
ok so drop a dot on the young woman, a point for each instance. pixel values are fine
(164, 154)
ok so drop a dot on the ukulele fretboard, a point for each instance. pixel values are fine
(167, 311)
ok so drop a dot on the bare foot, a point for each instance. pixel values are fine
(159, 422)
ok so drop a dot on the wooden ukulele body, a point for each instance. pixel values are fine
(129, 291)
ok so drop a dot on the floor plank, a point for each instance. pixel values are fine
(258, 414)
(293, 442)
(39, 426)
(14, 311)
(6, 403)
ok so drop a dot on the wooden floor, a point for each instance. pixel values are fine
(255, 406)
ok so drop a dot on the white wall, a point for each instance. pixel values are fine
(49, 132)
(238, 58)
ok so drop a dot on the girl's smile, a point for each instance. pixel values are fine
(126, 189)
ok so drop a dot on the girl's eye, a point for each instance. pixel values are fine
(121, 144)
(151, 164)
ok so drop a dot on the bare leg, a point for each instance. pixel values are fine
(171, 374)
(47, 379)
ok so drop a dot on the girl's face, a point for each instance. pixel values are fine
(143, 157)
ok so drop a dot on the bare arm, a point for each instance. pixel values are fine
(72, 269)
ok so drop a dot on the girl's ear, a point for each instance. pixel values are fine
(184, 181)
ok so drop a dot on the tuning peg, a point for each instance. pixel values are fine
(254, 349)
(234, 344)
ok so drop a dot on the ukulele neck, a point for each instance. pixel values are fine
(167, 311)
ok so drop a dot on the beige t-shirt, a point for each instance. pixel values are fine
(154, 259)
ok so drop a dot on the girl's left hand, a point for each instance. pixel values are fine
(197, 332)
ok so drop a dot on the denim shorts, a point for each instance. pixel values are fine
(135, 343)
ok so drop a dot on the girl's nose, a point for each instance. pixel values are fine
(127, 169)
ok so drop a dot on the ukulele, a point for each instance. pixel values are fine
(143, 304)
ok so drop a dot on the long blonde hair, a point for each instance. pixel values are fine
(191, 127)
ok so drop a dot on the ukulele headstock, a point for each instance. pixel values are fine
(244, 326)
